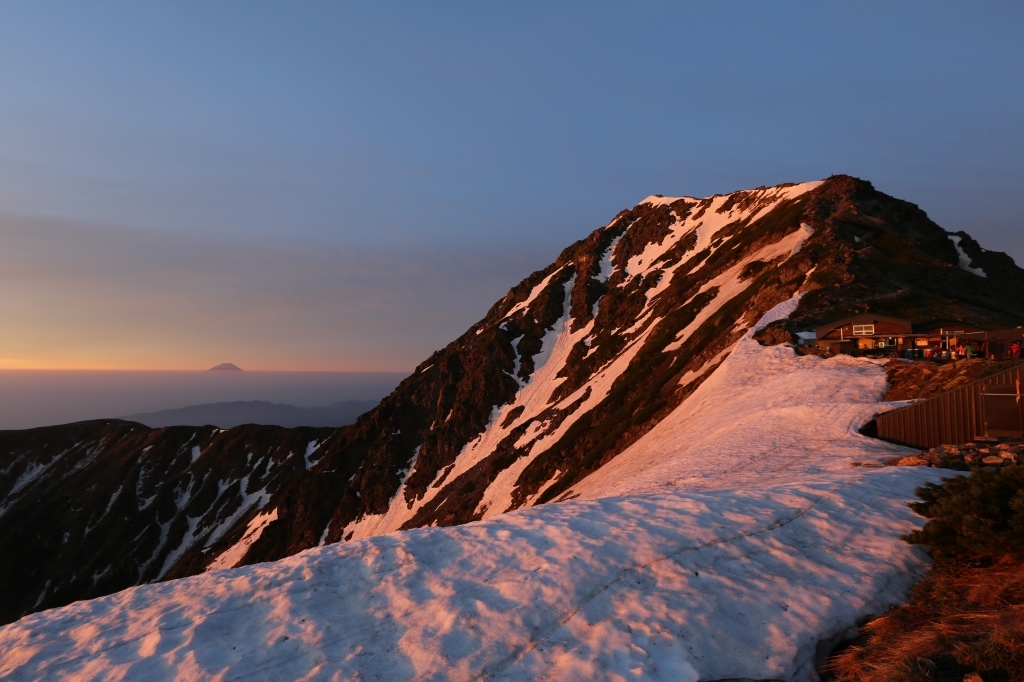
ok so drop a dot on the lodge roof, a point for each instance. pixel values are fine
(932, 325)
(863, 317)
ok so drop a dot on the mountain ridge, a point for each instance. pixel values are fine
(229, 414)
(574, 365)
(839, 277)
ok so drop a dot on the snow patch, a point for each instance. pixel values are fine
(310, 449)
(655, 200)
(323, 536)
(517, 361)
(965, 260)
(231, 556)
(523, 305)
(399, 510)
(607, 268)
(249, 501)
(32, 472)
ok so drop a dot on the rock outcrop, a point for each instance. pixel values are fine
(965, 457)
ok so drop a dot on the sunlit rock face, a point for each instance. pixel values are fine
(570, 369)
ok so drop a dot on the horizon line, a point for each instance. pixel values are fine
(189, 370)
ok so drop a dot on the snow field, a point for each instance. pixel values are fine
(677, 586)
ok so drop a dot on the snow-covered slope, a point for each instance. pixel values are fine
(725, 544)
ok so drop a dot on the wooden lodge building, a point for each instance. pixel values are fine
(866, 331)
(873, 334)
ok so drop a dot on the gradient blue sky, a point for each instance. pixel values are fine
(349, 186)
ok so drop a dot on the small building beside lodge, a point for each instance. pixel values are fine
(873, 334)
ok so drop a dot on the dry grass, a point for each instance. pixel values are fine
(960, 619)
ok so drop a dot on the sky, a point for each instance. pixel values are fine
(348, 187)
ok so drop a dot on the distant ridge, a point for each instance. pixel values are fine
(230, 414)
(230, 366)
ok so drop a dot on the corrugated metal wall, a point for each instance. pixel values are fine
(948, 419)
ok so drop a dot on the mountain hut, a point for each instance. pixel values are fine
(864, 332)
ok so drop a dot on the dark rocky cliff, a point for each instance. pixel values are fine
(91, 508)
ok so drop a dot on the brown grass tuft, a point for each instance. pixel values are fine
(960, 619)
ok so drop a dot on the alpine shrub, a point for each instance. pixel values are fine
(976, 516)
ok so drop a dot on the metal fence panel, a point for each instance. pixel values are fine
(949, 419)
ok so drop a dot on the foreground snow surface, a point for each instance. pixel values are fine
(728, 553)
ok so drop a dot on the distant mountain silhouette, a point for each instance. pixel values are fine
(230, 366)
(228, 415)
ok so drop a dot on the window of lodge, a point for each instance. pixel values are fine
(863, 329)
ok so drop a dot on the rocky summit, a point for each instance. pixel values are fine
(565, 372)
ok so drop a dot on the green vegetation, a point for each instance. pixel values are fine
(973, 517)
